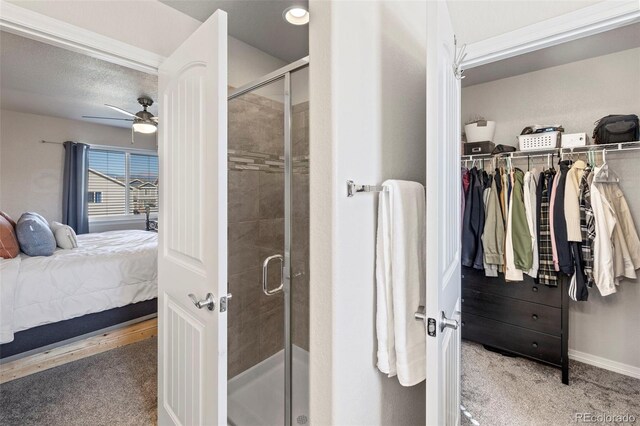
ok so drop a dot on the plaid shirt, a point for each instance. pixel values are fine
(587, 226)
(546, 272)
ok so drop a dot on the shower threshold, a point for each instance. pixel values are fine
(256, 396)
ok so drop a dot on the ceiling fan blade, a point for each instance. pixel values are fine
(120, 110)
(155, 119)
(107, 118)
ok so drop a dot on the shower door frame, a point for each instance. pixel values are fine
(285, 74)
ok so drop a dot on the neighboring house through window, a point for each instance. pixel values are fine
(122, 182)
(95, 197)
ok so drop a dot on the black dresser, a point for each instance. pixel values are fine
(522, 318)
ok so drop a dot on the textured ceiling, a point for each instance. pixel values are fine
(624, 38)
(256, 22)
(42, 79)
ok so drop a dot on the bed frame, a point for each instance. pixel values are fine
(42, 336)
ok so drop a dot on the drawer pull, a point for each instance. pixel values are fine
(535, 345)
(534, 317)
(534, 289)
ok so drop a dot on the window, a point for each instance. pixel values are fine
(95, 197)
(122, 182)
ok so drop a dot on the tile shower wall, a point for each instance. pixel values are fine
(256, 228)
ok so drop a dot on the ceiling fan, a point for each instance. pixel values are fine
(143, 121)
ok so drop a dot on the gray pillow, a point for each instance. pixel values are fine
(35, 236)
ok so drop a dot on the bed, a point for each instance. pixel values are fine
(108, 272)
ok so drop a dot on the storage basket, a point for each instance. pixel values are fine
(539, 141)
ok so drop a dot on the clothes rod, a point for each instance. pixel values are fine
(610, 147)
(512, 154)
(353, 188)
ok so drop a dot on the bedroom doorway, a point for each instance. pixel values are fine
(268, 210)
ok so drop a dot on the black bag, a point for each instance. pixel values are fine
(616, 129)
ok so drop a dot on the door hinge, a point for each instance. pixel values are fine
(431, 327)
(224, 302)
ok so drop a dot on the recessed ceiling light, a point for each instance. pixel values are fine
(296, 15)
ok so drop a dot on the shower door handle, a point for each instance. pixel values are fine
(265, 275)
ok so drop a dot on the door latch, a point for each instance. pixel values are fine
(421, 315)
(224, 302)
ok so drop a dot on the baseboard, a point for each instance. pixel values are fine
(607, 364)
(105, 341)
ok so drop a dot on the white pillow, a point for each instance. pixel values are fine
(65, 235)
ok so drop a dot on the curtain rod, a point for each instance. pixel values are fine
(144, 151)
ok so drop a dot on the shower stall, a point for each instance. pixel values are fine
(268, 211)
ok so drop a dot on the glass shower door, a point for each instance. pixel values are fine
(256, 335)
(268, 322)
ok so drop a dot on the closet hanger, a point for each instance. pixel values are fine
(605, 175)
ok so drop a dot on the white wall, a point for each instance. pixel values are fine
(576, 95)
(31, 172)
(367, 124)
(152, 26)
(478, 20)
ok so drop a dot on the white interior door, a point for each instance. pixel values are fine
(443, 221)
(192, 252)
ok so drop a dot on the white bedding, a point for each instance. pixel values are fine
(107, 270)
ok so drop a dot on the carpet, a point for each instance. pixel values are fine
(117, 387)
(499, 390)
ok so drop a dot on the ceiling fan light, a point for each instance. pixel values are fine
(142, 127)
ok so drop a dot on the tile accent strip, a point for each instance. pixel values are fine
(245, 160)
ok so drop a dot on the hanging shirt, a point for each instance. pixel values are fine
(604, 218)
(521, 237)
(511, 272)
(578, 290)
(572, 202)
(626, 245)
(552, 195)
(531, 210)
(465, 188)
(546, 271)
(493, 235)
(563, 248)
(587, 225)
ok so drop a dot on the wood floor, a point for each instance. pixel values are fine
(78, 350)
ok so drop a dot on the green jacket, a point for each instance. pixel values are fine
(521, 238)
(493, 234)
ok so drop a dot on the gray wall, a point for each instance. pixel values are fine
(31, 172)
(256, 227)
(576, 95)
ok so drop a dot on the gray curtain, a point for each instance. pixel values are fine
(75, 207)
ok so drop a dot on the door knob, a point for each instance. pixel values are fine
(209, 302)
(446, 322)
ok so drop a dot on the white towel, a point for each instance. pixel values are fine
(400, 281)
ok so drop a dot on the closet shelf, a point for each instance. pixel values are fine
(622, 146)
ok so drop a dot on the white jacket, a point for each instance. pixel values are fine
(572, 202)
(605, 221)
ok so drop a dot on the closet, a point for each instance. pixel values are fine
(546, 315)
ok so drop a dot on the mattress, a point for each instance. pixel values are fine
(107, 270)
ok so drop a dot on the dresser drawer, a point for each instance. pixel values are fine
(535, 316)
(528, 290)
(512, 338)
